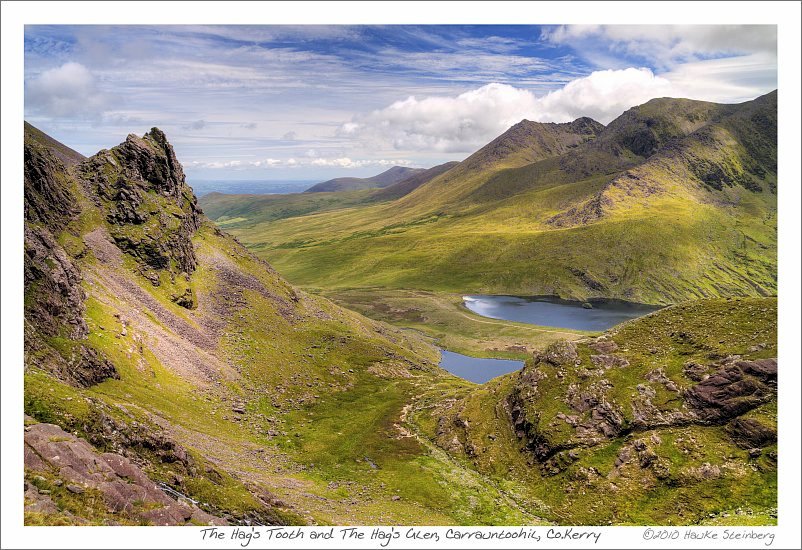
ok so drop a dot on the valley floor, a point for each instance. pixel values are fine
(444, 318)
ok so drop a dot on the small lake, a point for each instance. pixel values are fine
(553, 312)
(476, 369)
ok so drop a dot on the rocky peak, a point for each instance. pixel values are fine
(586, 126)
(645, 129)
(151, 160)
(528, 141)
(151, 211)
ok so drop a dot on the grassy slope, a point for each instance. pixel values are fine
(332, 389)
(229, 210)
(595, 489)
(236, 209)
(532, 227)
(325, 392)
(406, 186)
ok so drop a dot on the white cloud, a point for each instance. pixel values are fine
(446, 124)
(499, 44)
(346, 162)
(219, 164)
(69, 90)
(727, 80)
(479, 64)
(342, 162)
(471, 119)
(267, 163)
(603, 95)
(196, 125)
(667, 45)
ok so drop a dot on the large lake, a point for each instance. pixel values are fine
(552, 312)
(476, 369)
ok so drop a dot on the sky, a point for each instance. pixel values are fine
(317, 102)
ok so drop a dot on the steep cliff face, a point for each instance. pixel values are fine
(55, 329)
(48, 199)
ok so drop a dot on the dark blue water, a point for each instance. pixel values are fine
(476, 369)
(552, 312)
(250, 187)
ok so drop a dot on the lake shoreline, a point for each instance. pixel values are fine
(546, 311)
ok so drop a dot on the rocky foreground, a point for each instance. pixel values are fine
(108, 485)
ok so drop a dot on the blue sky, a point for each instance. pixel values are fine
(313, 102)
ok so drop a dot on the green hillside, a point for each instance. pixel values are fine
(231, 209)
(670, 419)
(674, 200)
(174, 378)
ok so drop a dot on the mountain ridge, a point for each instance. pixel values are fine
(384, 179)
(133, 341)
(683, 189)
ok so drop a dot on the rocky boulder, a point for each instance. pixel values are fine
(751, 434)
(61, 465)
(559, 353)
(735, 388)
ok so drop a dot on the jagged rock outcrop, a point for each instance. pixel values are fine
(52, 281)
(53, 284)
(48, 199)
(751, 434)
(734, 388)
(152, 211)
(557, 354)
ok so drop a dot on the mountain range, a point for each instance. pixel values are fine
(385, 179)
(673, 200)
